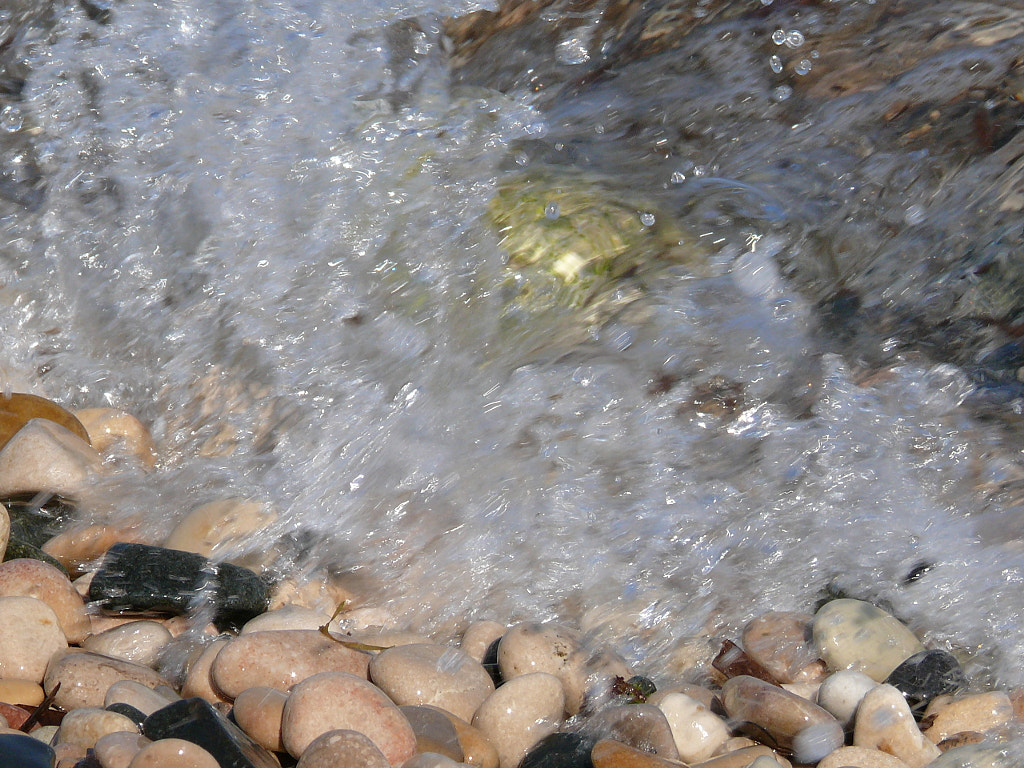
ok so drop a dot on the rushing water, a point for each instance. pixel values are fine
(260, 229)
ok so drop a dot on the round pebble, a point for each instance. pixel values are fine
(853, 634)
(331, 701)
(5, 529)
(643, 726)
(258, 712)
(841, 693)
(478, 638)
(435, 732)
(884, 722)
(25, 577)
(520, 713)
(199, 679)
(696, 730)
(980, 712)
(781, 642)
(117, 750)
(342, 749)
(858, 757)
(138, 641)
(84, 726)
(219, 525)
(136, 695)
(17, 691)
(608, 753)
(286, 617)
(926, 675)
(111, 430)
(44, 456)
(85, 678)
(31, 636)
(173, 752)
(530, 647)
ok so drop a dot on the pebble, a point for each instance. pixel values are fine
(258, 712)
(31, 636)
(884, 722)
(199, 679)
(342, 749)
(642, 726)
(5, 529)
(117, 750)
(219, 526)
(112, 430)
(16, 691)
(478, 638)
(173, 752)
(979, 712)
(18, 408)
(45, 456)
(853, 634)
(79, 546)
(33, 578)
(335, 700)
(21, 751)
(84, 726)
(859, 757)
(477, 750)
(559, 750)
(435, 732)
(139, 641)
(783, 715)
(743, 758)
(696, 730)
(841, 693)
(430, 760)
(608, 753)
(281, 660)
(520, 713)
(781, 642)
(85, 677)
(549, 648)
(974, 756)
(136, 695)
(926, 675)
(425, 673)
(286, 617)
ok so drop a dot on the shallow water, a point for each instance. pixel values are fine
(261, 228)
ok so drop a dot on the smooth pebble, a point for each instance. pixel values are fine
(859, 757)
(31, 637)
(178, 753)
(25, 577)
(478, 637)
(113, 431)
(85, 677)
(853, 634)
(117, 750)
(781, 642)
(520, 713)
(696, 730)
(980, 712)
(550, 648)
(84, 726)
(258, 712)
(44, 456)
(884, 722)
(608, 753)
(342, 749)
(841, 693)
(136, 695)
(286, 617)
(138, 641)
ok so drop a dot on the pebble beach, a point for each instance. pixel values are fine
(120, 651)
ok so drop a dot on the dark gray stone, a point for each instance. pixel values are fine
(560, 750)
(17, 751)
(926, 675)
(136, 716)
(138, 578)
(197, 721)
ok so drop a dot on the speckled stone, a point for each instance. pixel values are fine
(858, 757)
(286, 617)
(20, 751)
(44, 456)
(520, 713)
(331, 701)
(117, 750)
(841, 693)
(139, 641)
(432, 674)
(84, 726)
(696, 730)
(282, 659)
(431, 760)
(980, 712)
(781, 642)
(34, 578)
(85, 678)
(556, 650)
(926, 675)
(884, 722)
(15, 691)
(479, 636)
(173, 752)
(116, 432)
(435, 731)
(342, 749)
(31, 636)
(643, 726)
(853, 634)
(783, 715)
(608, 753)
(258, 712)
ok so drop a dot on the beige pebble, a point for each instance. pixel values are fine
(608, 753)
(980, 712)
(853, 634)
(117, 750)
(69, 754)
(85, 678)
(320, 592)
(476, 749)
(44, 456)
(733, 743)
(342, 749)
(704, 695)
(550, 648)
(86, 725)
(173, 753)
(743, 758)
(426, 673)
(220, 526)
(199, 679)
(79, 546)
(282, 659)
(16, 691)
(479, 636)
(137, 695)
(116, 432)
(286, 617)
(435, 732)
(859, 757)
(884, 722)
(26, 577)
(138, 641)
(258, 712)
(520, 713)
(82, 584)
(696, 730)
(841, 693)
(781, 642)
(31, 636)
(336, 700)
(5, 529)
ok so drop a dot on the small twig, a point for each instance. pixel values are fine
(39, 710)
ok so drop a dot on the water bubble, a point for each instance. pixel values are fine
(572, 50)
(782, 93)
(647, 218)
(914, 215)
(779, 36)
(776, 64)
(794, 38)
(552, 211)
(677, 177)
(803, 67)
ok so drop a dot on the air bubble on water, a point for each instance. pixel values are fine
(779, 36)
(794, 38)
(782, 93)
(647, 218)
(552, 211)
(572, 50)
(677, 177)
(803, 67)
(776, 64)
(914, 214)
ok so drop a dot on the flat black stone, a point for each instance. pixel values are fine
(138, 578)
(926, 675)
(560, 750)
(197, 721)
(18, 751)
(37, 517)
(136, 716)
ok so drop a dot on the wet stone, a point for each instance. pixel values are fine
(549, 648)
(21, 550)
(435, 732)
(841, 693)
(45, 456)
(608, 753)
(974, 756)
(520, 713)
(196, 720)
(642, 726)
(258, 712)
(884, 722)
(179, 753)
(127, 710)
(859, 757)
(980, 712)
(696, 731)
(17, 751)
(138, 641)
(116, 750)
(36, 518)
(781, 642)
(31, 636)
(342, 749)
(134, 696)
(85, 678)
(853, 634)
(479, 637)
(560, 750)
(926, 675)
(138, 578)
(86, 725)
(32, 578)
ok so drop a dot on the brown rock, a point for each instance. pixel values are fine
(342, 749)
(25, 577)
(613, 754)
(960, 740)
(282, 659)
(641, 726)
(18, 409)
(85, 678)
(258, 712)
(781, 642)
(15, 691)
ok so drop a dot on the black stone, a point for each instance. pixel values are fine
(17, 549)
(490, 662)
(560, 750)
(38, 517)
(133, 714)
(926, 675)
(18, 751)
(137, 578)
(197, 721)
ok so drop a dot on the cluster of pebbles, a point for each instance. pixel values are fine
(117, 652)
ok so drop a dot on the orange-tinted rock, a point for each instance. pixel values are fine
(19, 408)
